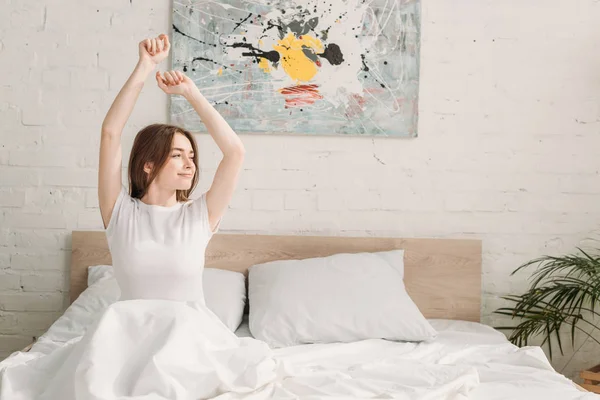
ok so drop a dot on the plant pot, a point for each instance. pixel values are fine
(591, 379)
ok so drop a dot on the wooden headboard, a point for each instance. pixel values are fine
(443, 276)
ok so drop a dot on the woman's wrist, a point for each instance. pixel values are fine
(145, 65)
(192, 93)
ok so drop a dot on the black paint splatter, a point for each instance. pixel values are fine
(366, 69)
(177, 30)
(211, 61)
(270, 25)
(241, 22)
(333, 54)
(257, 53)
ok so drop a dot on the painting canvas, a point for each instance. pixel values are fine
(326, 67)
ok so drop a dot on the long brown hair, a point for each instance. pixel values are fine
(153, 144)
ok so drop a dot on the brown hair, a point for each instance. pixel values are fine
(153, 144)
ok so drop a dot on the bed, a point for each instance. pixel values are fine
(442, 276)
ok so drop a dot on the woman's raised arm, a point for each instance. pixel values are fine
(151, 52)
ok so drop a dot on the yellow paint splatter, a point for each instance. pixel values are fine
(293, 60)
(220, 71)
(264, 65)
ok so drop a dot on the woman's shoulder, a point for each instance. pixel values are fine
(199, 213)
(121, 210)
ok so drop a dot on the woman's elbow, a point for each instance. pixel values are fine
(238, 151)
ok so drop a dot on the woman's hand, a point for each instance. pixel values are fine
(175, 82)
(154, 50)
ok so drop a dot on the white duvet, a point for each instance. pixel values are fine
(155, 349)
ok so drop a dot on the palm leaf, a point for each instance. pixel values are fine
(564, 291)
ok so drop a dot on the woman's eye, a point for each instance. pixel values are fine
(176, 155)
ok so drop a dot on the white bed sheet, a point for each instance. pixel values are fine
(466, 361)
(503, 370)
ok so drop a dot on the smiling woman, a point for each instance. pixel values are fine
(162, 163)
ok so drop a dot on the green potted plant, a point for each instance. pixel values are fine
(564, 292)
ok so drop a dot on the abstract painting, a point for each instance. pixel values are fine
(326, 67)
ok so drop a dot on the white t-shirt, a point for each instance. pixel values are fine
(158, 252)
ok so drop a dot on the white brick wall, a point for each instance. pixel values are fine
(507, 147)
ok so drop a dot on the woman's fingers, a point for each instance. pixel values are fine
(170, 78)
(167, 79)
(160, 80)
(178, 76)
(165, 38)
(157, 45)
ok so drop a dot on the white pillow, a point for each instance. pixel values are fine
(225, 295)
(224, 291)
(340, 298)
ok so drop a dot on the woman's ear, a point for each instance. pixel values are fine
(148, 167)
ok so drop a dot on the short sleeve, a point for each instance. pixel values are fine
(118, 211)
(203, 211)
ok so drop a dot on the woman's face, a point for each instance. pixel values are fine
(178, 172)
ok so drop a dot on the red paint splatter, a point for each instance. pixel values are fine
(374, 90)
(356, 106)
(300, 95)
(248, 91)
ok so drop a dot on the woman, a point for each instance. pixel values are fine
(162, 174)
(160, 341)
